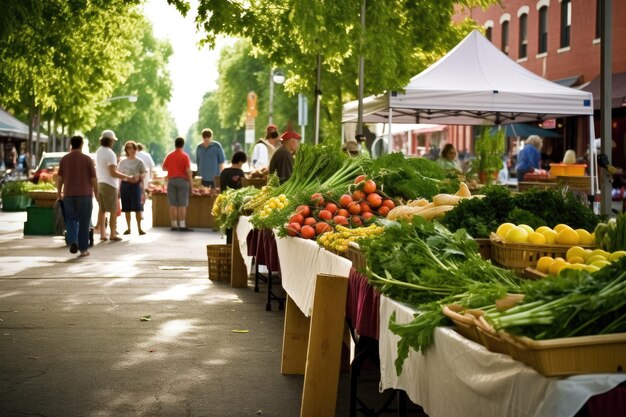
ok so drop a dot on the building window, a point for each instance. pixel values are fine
(488, 33)
(598, 18)
(523, 36)
(566, 22)
(543, 30)
(504, 39)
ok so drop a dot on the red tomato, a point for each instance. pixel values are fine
(359, 179)
(332, 207)
(293, 229)
(358, 195)
(365, 207)
(340, 220)
(345, 200)
(374, 200)
(354, 208)
(307, 232)
(322, 227)
(304, 210)
(369, 187)
(310, 221)
(356, 221)
(297, 218)
(367, 215)
(383, 210)
(325, 215)
(317, 199)
(387, 202)
(342, 212)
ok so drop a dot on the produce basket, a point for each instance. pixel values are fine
(527, 185)
(523, 255)
(571, 355)
(43, 198)
(491, 339)
(465, 324)
(576, 183)
(255, 182)
(532, 273)
(484, 247)
(355, 255)
(219, 261)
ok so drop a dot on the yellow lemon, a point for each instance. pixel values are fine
(587, 253)
(516, 235)
(575, 266)
(536, 238)
(600, 264)
(594, 258)
(575, 251)
(550, 236)
(576, 260)
(543, 264)
(591, 268)
(503, 229)
(616, 255)
(600, 252)
(541, 229)
(557, 266)
(567, 237)
(584, 237)
(526, 227)
(560, 227)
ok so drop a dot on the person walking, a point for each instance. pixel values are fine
(179, 184)
(131, 191)
(76, 185)
(282, 160)
(210, 158)
(264, 148)
(529, 158)
(106, 170)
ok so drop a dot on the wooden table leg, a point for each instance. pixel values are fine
(295, 340)
(238, 270)
(321, 376)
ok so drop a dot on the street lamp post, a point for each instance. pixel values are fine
(276, 77)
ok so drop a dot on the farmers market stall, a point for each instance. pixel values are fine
(198, 211)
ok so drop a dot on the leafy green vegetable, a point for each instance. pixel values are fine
(411, 178)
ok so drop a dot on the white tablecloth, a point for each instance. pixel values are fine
(243, 228)
(457, 377)
(300, 262)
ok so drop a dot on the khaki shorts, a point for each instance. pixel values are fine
(107, 198)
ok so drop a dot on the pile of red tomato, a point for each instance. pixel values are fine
(352, 210)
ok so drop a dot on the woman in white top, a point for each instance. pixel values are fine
(131, 191)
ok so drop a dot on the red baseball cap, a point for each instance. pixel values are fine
(290, 134)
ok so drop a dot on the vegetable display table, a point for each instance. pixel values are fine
(198, 211)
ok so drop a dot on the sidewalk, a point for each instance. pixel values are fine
(73, 343)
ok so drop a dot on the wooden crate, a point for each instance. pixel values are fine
(357, 257)
(198, 211)
(219, 258)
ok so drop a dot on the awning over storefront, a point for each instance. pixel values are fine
(618, 88)
(12, 128)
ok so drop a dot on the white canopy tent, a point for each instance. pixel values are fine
(475, 83)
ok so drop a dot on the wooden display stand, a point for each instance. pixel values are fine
(198, 211)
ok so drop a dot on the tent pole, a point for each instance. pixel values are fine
(318, 98)
(359, 128)
(606, 139)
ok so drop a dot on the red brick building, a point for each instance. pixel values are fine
(560, 40)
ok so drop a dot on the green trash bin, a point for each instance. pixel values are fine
(39, 221)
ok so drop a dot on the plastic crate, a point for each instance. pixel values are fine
(523, 255)
(571, 355)
(219, 257)
(575, 170)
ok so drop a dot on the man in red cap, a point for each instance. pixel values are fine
(282, 160)
(265, 148)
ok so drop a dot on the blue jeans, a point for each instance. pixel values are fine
(78, 220)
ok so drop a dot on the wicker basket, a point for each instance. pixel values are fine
(464, 323)
(523, 255)
(527, 185)
(219, 261)
(484, 247)
(580, 184)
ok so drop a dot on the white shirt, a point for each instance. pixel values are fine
(105, 157)
(261, 154)
(148, 162)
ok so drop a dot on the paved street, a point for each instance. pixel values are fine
(73, 343)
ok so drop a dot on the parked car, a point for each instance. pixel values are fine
(49, 162)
